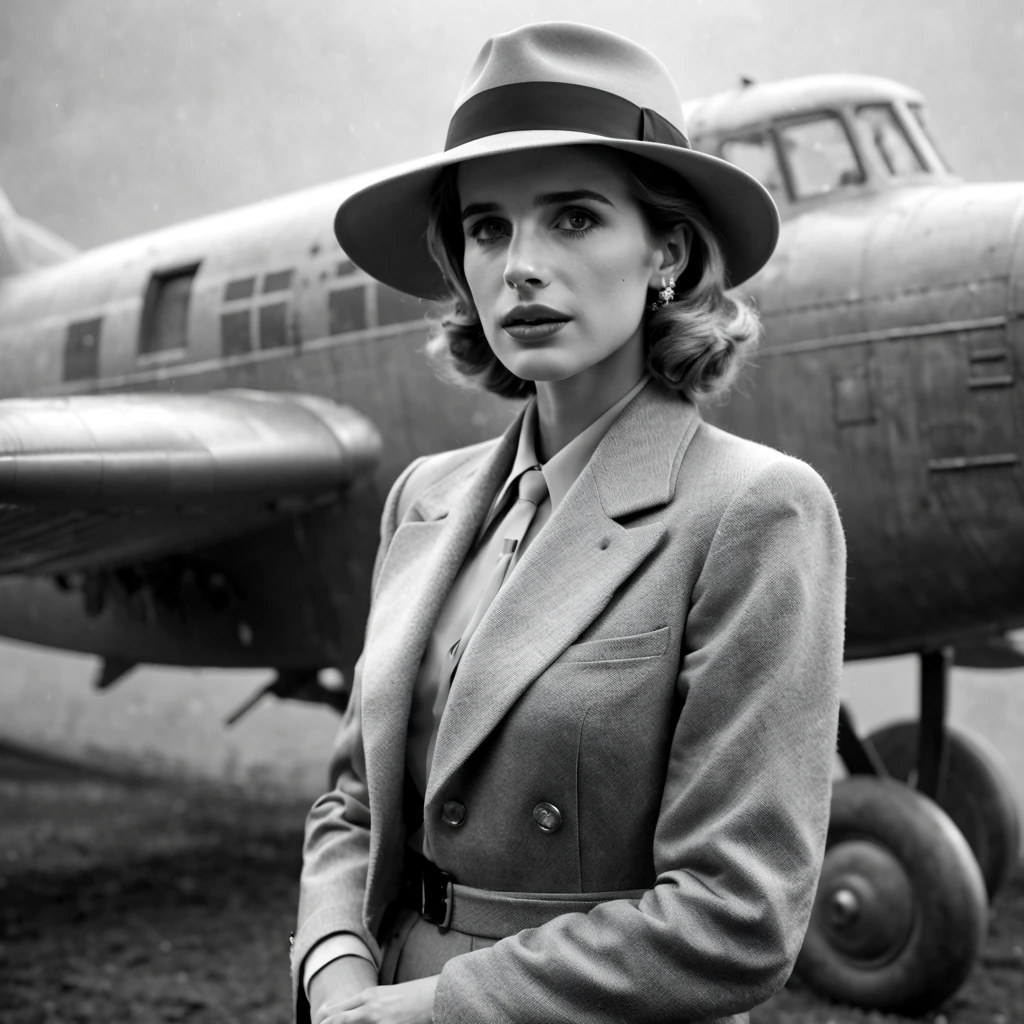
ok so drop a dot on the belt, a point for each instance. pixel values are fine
(491, 913)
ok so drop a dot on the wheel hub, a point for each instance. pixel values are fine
(865, 902)
(844, 908)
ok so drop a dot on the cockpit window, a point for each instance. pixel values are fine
(883, 136)
(820, 155)
(755, 154)
(919, 115)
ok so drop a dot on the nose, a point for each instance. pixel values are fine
(525, 261)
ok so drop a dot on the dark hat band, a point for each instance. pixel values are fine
(558, 106)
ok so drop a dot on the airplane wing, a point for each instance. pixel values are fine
(100, 480)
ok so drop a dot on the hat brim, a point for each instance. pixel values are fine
(382, 226)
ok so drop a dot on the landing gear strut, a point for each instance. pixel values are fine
(861, 757)
(931, 749)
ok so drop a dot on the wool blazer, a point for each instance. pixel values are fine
(663, 666)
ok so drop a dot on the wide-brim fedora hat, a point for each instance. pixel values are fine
(543, 85)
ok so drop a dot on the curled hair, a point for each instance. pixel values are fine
(696, 344)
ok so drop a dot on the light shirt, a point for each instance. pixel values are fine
(560, 473)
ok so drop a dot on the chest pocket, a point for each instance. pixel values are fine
(619, 648)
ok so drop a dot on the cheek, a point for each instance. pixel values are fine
(486, 285)
(483, 277)
(616, 287)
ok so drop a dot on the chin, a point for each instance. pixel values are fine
(545, 363)
(540, 367)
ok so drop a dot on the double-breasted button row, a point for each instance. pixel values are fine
(547, 816)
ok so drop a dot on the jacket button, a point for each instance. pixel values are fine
(453, 813)
(548, 817)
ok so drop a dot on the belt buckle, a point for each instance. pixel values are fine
(436, 897)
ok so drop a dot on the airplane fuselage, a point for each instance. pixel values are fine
(894, 324)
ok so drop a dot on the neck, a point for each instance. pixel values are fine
(567, 407)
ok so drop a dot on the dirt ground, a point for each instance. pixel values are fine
(155, 902)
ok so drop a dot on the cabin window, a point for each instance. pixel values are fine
(279, 281)
(883, 136)
(235, 333)
(236, 320)
(346, 310)
(274, 325)
(243, 288)
(922, 122)
(252, 321)
(820, 156)
(755, 153)
(82, 350)
(273, 316)
(165, 312)
(394, 307)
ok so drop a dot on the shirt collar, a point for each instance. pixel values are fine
(562, 469)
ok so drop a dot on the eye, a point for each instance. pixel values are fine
(488, 230)
(576, 221)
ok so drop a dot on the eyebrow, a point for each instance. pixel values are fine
(544, 199)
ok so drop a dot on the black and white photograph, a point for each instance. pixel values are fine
(511, 513)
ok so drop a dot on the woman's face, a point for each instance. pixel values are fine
(558, 259)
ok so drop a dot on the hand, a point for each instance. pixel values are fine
(411, 1002)
(337, 981)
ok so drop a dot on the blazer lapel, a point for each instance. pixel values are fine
(568, 574)
(418, 571)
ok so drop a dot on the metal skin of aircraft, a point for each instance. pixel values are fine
(198, 428)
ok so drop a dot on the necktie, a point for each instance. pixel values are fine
(532, 491)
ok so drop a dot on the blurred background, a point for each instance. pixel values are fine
(120, 116)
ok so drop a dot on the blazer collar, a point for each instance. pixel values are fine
(491, 459)
(564, 467)
(635, 464)
(572, 569)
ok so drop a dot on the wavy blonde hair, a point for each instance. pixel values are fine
(696, 344)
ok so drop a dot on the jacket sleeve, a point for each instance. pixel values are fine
(336, 850)
(744, 812)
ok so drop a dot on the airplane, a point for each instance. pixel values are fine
(198, 428)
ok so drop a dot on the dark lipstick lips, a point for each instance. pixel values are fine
(533, 315)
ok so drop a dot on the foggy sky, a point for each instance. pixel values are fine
(118, 116)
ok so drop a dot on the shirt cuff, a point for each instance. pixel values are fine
(326, 951)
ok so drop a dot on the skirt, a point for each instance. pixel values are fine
(416, 948)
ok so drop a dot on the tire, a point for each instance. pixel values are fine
(977, 793)
(900, 913)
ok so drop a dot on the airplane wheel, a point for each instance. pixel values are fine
(978, 794)
(900, 913)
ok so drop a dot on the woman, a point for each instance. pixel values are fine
(584, 774)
